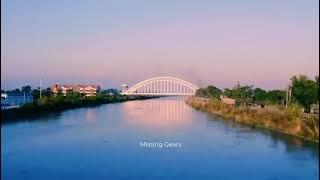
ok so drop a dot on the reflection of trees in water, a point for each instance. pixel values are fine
(90, 115)
(158, 113)
(293, 145)
(34, 117)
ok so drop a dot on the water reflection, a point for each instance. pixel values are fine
(34, 117)
(91, 116)
(292, 145)
(103, 143)
(158, 113)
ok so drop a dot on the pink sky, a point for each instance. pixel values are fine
(220, 48)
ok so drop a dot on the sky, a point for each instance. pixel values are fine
(111, 42)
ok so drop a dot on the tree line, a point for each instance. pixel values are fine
(50, 102)
(28, 90)
(303, 91)
(57, 101)
(46, 92)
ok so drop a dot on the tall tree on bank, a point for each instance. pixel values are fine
(26, 89)
(276, 97)
(305, 91)
(242, 94)
(260, 96)
(209, 92)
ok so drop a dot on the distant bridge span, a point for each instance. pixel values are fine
(162, 86)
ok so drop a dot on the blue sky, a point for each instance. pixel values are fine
(107, 42)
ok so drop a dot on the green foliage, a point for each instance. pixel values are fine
(35, 93)
(42, 101)
(46, 92)
(242, 94)
(260, 96)
(70, 100)
(209, 92)
(276, 97)
(305, 91)
(293, 112)
(16, 90)
(26, 89)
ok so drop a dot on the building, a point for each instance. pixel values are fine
(87, 90)
(228, 101)
(15, 100)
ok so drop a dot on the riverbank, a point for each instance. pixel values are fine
(289, 122)
(53, 104)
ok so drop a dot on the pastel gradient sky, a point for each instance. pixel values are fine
(110, 42)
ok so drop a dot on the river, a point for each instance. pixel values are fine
(150, 139)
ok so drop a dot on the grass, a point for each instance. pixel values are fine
(289, 121)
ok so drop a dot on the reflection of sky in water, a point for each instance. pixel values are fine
(159, 113)
(91, 116)
(103, 143)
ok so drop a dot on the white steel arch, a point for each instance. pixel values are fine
(162, 86)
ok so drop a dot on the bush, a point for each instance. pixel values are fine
(293, 112)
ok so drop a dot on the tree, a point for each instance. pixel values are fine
(46, 92)
(214, 91)
(43, 101)
(59, 93)
(260, 96)
(242, 94)
(305, 91)
(72, 94)
(26, 89)
(209, 92)
(35, 93)
(276, 97)
(201, 92)
(16, 90)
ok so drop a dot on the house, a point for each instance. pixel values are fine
(87, 90)
(14, 100)
(228, 101)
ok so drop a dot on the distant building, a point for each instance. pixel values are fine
(228, 101)
(87, 90)
(14, 100)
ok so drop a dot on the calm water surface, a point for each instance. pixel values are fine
(104, 143)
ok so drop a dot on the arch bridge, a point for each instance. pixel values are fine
(162, 86)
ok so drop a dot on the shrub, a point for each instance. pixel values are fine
(293, 112)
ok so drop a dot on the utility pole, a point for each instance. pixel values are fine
(40, 89)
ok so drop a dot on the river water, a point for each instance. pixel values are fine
(149, 139)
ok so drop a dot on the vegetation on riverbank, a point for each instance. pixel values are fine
(302, 91)
(287, 111)
(58, 102)
(291, 121)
